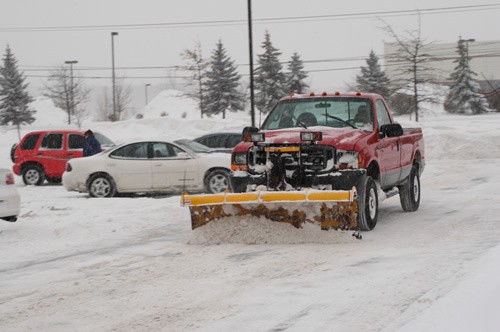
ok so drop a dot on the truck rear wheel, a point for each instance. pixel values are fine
(367, 204)
(33, 175)
(409, 192)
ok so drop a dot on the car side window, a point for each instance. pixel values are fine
(52, 142)
(75, 141)
(161, 150)
(233, 140)
(382, 115)
(30, 142)
(132, 151)
(211, 141)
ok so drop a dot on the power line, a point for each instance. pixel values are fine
(289, 19)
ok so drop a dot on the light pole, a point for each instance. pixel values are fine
(250, 51)
(113, 34)
(146, 92)
(72, 89)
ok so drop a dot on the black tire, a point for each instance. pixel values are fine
(217, 181)
(101, 185)
(367, 204)
(13, 152)
(33, 175)
(10, 219)
(54, 180)
(409, 192)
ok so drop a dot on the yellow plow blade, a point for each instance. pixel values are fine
(331, 209)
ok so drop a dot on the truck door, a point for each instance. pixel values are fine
(52, 155)
(388, 150)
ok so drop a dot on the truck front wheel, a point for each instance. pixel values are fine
(367, 204)
(409, 191)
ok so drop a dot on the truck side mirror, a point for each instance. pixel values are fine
(245, 135)
(391, 130)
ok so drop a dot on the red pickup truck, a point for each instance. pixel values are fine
(332, 142)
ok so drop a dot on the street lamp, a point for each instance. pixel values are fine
(72, 89)
(146, 92)
(113, 34)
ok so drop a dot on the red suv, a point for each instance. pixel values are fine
(42, 155)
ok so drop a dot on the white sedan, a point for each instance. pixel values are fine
(149, 166)
(10, 200)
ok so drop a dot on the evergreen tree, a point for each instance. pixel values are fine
(372, 78)
(221, 85)
(463, 96)
(296, 75)
(14, 98)
(270, 81)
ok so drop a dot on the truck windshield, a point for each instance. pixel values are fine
(336, 112)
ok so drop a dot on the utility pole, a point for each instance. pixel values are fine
(250, 48)
(113, 34)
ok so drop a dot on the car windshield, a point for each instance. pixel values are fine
(193, 146)
(104, 140)
(334, 112)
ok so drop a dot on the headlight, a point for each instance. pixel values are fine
(240, 158)
(347, 159)
(239, 162)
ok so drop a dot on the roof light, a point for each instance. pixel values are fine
(358, 93)
(312, 94)
(337, 93)
(324, 93)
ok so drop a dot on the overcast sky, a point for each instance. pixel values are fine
(80, 30)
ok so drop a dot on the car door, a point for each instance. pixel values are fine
(52, 154)
(388, 150)
(130, 167)
(173, 168)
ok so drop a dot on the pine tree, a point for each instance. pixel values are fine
(14, 99)
(222, 84)
(463, 96)
(372, 78)
(270, 81)
(296, 75)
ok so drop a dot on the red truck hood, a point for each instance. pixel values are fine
(341, 138)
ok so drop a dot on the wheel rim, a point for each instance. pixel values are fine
(100, 187)
(32, 176)
(372, 204)
(416, 188)
(218, 183)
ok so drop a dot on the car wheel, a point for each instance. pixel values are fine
(217, 181)
(101, 185)
(13, 153)
(409, 192)
(54, 180)
(33, 175)
(367, 204)
(10, 219)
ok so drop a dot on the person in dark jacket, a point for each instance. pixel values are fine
(92, 145)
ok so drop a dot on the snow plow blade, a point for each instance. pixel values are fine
(330, 209)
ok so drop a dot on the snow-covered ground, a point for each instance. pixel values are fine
(75, 263)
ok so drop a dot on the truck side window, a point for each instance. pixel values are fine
(382, 115)
(75, 141)
(52, 141)
(30, 142)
